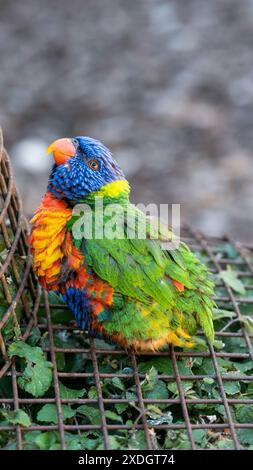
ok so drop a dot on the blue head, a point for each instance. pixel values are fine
(82, 166)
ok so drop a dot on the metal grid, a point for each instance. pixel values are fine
(19, 295)
(232, 331)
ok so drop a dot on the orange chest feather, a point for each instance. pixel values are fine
(50, 242)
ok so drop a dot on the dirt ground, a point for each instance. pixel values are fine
(168, 85)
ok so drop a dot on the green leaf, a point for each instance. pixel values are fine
(91, 413)
(92, 393)
(218, 314)
(161, 364)
(224, 444)
(245, 366)
(74, 443)
(83, 441)
(121, 407)
(131, 396)
(172, 387)
(46, 440)
(177, 439)
(199, 435)
(137, 440)
(113, 416)
(218, 344)
(117, 382)
(24, 350)
(150, 380)
(158, 391)
(230, 277)
(152, 387)
(244, 413)
(232, 388)
(245, 436)
(36, 379)
(37, 375)
(48, 413)
(17, 417)
(66, 392)
(115, 443)
(30, 436)
(208, 380)
(34, 336)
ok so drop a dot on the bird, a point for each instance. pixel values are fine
(126, 289)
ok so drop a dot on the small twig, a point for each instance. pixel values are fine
(231, 322)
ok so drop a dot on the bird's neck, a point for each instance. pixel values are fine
(111, 193)
(115, 192)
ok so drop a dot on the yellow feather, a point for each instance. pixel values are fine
(114, 189)
(56, 255)
(182, 333)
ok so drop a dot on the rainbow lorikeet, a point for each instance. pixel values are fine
(127, 289)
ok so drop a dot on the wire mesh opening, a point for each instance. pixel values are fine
(19, 296)
(170, 399)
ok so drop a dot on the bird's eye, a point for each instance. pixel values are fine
(93, 164)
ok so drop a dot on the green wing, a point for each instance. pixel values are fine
(142, 275)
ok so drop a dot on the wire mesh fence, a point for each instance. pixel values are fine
(19, 296)
(170, 399)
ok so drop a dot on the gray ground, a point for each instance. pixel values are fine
(168, 85)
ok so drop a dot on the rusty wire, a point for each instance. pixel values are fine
(13, 230)
(210, 247)
(17, 281)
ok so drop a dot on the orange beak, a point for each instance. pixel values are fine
(62, 150)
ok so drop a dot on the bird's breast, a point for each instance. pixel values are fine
(48, 240)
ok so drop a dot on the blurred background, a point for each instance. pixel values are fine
(167, 85)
